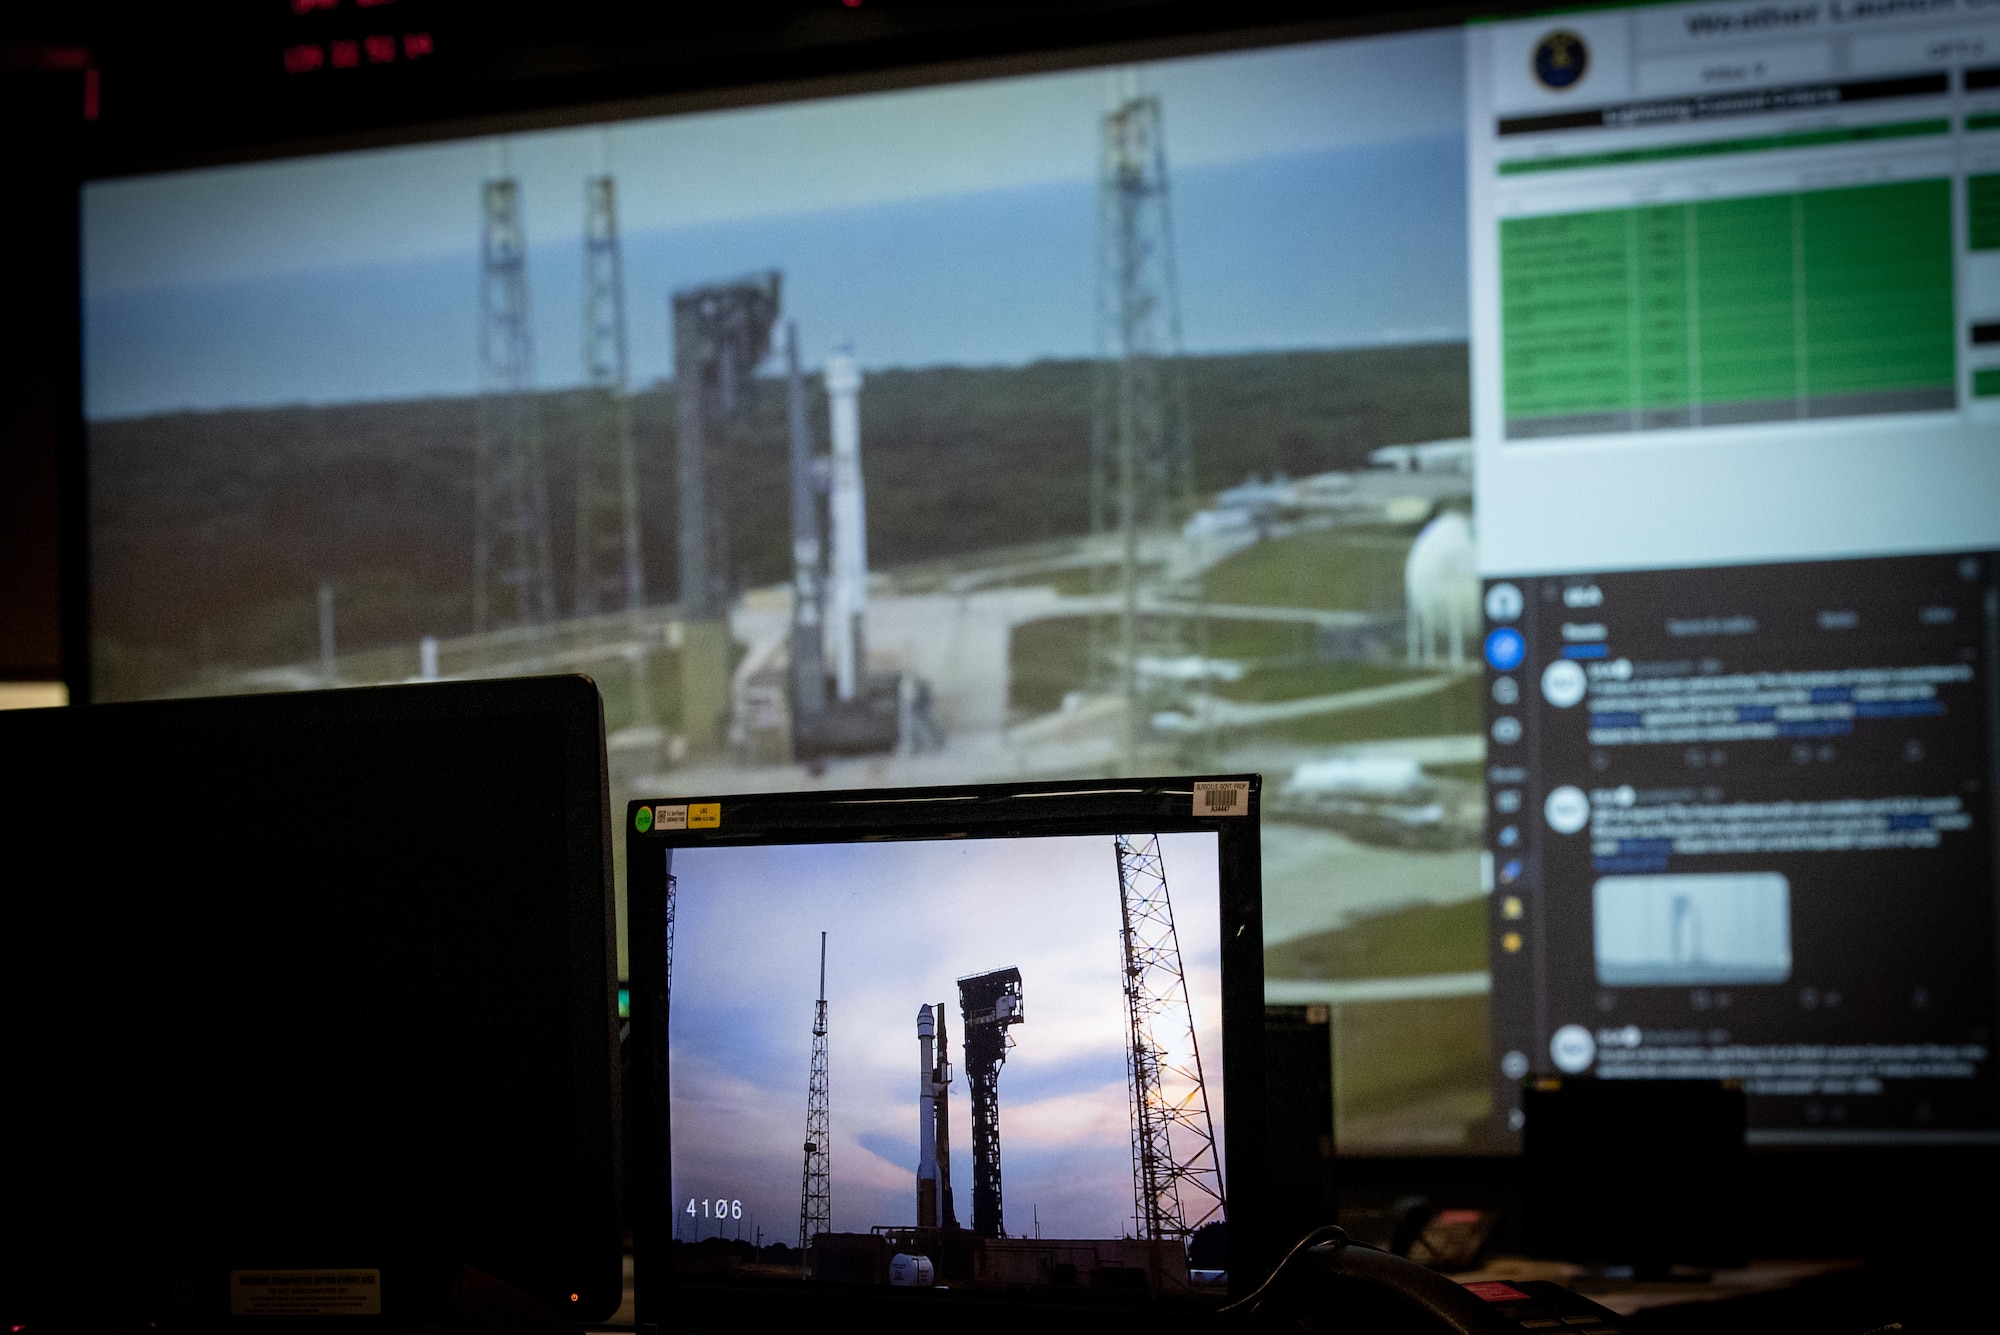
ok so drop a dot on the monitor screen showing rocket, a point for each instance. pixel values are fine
(913, 1064)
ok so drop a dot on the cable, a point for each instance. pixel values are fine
(1333, 1233)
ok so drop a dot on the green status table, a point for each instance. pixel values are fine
(1811, 304)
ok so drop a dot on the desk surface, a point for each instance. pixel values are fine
(1627, 1296)
(1623, 1296)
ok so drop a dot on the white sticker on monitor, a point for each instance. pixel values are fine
(670, 817)
(344, 1292)
(1222, 797)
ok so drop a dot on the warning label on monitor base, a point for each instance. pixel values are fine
(305, 1292)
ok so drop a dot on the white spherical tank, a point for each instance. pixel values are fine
(1441, 591)
(911, 1272)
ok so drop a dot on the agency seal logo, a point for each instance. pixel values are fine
(1560, 60)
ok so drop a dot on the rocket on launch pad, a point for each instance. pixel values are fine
(864, 715)
(848, 509)
(934, 1206)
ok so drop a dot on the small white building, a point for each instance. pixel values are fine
(1432, 456)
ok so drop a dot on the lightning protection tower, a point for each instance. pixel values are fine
(673, 894)
(513, 581)
(608, 573)
(816, 1193)
(1142, 454)
(1176, 1175)
(990, 1004)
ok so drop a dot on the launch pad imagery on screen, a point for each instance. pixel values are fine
(1086, 423)
(1096, 422)
(1058, 1000)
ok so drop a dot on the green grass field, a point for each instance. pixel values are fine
(1296, 681)
(1354, 569)
(1469, 772)
(1408, 942)
(1073, 582)
(1453, 710)
(1046, 661)
(1412, 1075)
(1256, 641)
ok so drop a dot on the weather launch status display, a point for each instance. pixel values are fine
(1733, 240)
(1734, 424)
(975, 1064)
(1741, 827)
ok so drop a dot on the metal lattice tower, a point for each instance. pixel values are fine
(513, 580)
(721, 333)
(673, 894)
(990, 1004)
(816, 1193)
(608, 571)
(1176, 1174)
(1142, 453)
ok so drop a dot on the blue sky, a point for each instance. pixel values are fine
(1319, 201)
(906, 920)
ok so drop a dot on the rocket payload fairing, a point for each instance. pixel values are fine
(934, 1207)
(848, 509)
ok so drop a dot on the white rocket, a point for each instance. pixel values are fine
(927, 1156)
(934, 1207)
(850, 525)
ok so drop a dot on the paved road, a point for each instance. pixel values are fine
(1107, 604)
(1247, 713)
(1318, 880)
(1341, 991)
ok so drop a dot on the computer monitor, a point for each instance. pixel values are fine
(1733, 291)
(1204, 403)
(307, 1004)
(1742, 831)
(1071, 974)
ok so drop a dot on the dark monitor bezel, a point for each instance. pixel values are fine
(88, 735)
(975, 811)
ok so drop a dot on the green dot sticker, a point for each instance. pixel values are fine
(644, 820)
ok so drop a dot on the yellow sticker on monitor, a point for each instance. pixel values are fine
(704, 815)
(331, 1292)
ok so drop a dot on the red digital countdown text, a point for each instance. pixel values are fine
(350, 53)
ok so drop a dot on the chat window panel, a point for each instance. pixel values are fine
(1740, 826)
